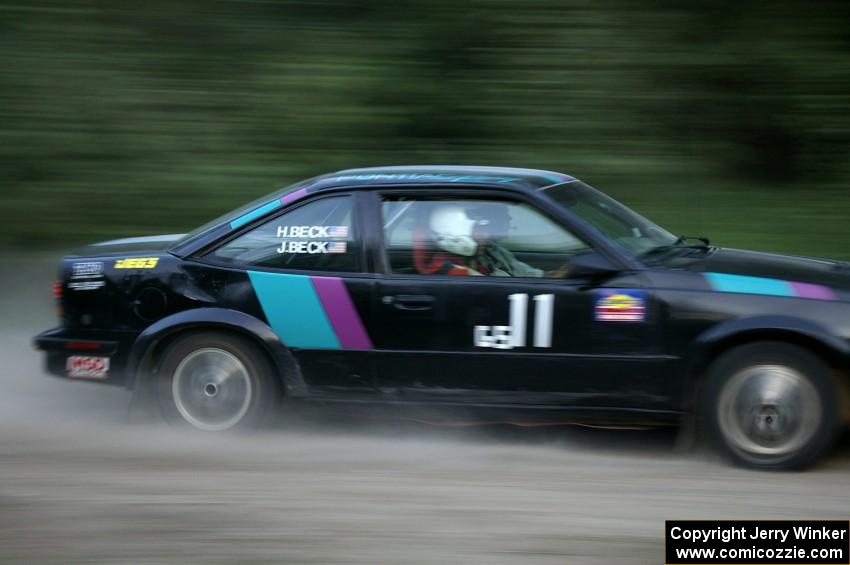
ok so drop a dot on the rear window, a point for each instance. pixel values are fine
(316, 236)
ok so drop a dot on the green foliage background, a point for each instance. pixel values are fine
(728, 119)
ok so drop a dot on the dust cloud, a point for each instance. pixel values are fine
(78, 484)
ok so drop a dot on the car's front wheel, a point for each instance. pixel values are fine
(771, 405)
(215, 382)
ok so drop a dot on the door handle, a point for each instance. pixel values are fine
(410, 302)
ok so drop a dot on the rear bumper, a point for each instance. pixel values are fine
(59, 344)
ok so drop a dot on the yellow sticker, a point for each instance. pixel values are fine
(137, 263)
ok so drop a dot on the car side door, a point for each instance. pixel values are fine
(517, 329)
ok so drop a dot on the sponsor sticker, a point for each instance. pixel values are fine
(86, 285)
(619, 305)
(87, 275)
(87, 270)
(137, 263)
(430, 177)
(87, 367)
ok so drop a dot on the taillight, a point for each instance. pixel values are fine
(57, 294)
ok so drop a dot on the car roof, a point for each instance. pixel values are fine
(412, 175)
(529, 179)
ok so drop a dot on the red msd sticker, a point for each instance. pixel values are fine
(85, 367)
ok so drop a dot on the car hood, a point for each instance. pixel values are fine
(128, 245)
(774, 266)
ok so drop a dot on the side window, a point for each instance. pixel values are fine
(317, 236)
(475, 238)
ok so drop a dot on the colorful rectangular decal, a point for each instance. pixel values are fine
(266, 208)
(293, 196)
(724, 282)
(87, 367)
(254, 214)
(341, 312)
(136, 263)
(813, 291)
(619, 305)
(748, 285)
(310, 312)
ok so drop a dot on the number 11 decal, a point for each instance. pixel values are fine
(544, 305)
(513, 335)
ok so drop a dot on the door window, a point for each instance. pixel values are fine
(317, 236)
(469, 237)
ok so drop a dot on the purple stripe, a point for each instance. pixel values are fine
(814, 291)
(341, 312)
(292, 196)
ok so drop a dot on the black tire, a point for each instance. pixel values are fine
(771, 405)
(215, 381)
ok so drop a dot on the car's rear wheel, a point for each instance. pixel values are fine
(214, 382)
(771, 405)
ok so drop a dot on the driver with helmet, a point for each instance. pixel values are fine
(468, 243)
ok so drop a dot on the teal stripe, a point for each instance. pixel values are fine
(555, 179)
(749, 285)
(253, 214)
(293, 310)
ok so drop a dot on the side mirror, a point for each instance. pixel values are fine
(592, 265)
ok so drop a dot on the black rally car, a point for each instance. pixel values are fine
(518, 292)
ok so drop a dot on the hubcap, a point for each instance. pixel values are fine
(768, 411)
(211, 389)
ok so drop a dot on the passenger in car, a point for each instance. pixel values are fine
(491, 258)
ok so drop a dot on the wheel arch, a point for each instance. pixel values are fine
(152, 342)
(721, 338)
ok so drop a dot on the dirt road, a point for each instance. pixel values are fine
(79, 485)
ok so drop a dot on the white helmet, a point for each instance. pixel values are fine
(452, 230)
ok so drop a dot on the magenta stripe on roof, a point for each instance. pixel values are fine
(341, 312)
(292, 196)
(815, 291)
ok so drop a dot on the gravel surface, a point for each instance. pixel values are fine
(80, 485)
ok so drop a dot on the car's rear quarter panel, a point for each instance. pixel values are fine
(110, 299)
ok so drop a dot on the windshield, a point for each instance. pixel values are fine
(629, 230)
